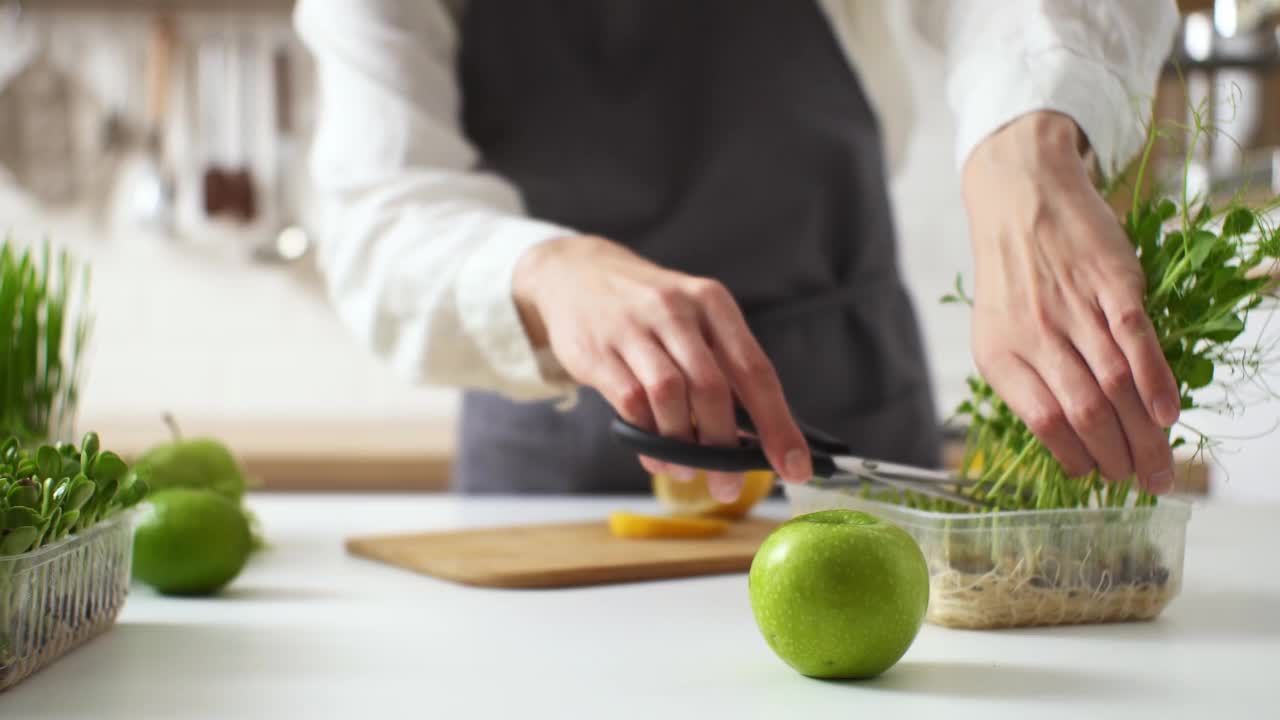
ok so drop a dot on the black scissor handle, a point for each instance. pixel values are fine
(819, 441)
(747, 456)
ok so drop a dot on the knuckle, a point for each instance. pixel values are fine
(1128, 319)
(666, 388)
(708, 291)
(1046, 422)
(1114, 378)
(1089, 411)
(667, 301)
(710, 386)
(632, 400)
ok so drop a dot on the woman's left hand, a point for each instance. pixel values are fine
(1059, 326)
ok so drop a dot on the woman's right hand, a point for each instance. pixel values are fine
(662, 348)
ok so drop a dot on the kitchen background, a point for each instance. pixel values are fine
(162, 141)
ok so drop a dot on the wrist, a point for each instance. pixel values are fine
(1044, 140)
(536, 271)
(524, 285)
(1053, 136)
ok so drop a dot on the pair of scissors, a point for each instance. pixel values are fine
(834, 462)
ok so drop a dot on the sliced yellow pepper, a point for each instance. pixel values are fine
(693, 498)
(633, 526)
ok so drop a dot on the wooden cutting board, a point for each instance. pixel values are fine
(561, 554)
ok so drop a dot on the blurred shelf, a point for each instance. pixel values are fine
(362, 455)
(421, 472)
(1258, 63)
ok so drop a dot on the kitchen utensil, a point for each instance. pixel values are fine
(225, 106)
(112, 141)
(36, 118)
(562, 554)
(241, 174)
(289, 242)
(834, 464)
(211, 89)
(152, 188)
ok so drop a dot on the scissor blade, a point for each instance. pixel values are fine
(928, 488)
(931, 490)
(908, 473)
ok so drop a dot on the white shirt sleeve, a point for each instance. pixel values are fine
(1096, 61)
(416, 244)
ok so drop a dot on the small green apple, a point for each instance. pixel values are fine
(198, 463)
(201, 463)
(839, 593)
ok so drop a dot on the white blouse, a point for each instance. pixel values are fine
(417, 246)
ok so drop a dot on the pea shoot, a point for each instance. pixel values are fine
(1205, 270)
(1089, 550)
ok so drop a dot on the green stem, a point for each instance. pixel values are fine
(1142, 170)
(1011, 467)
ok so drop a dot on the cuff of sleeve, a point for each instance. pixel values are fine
(489, 315)
(1056, 79)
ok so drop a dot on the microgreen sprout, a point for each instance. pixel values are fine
(1206, 270)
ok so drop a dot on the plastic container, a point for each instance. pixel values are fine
(58, 597)
(1036, 567)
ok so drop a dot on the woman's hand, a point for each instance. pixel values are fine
(1059, 327)
(663, 348)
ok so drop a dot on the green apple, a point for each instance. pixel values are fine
(839, 593)
(201, 463)
(190, 542)
(197, 463)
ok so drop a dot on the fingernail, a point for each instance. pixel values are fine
(725, 488)
(1166, 412)
(682, 473)
(1161, 482)
(796, 463)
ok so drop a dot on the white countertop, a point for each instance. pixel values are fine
(309, 631)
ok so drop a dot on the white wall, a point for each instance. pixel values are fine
(933, 235)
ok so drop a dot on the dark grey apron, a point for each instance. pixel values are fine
(722, 138)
